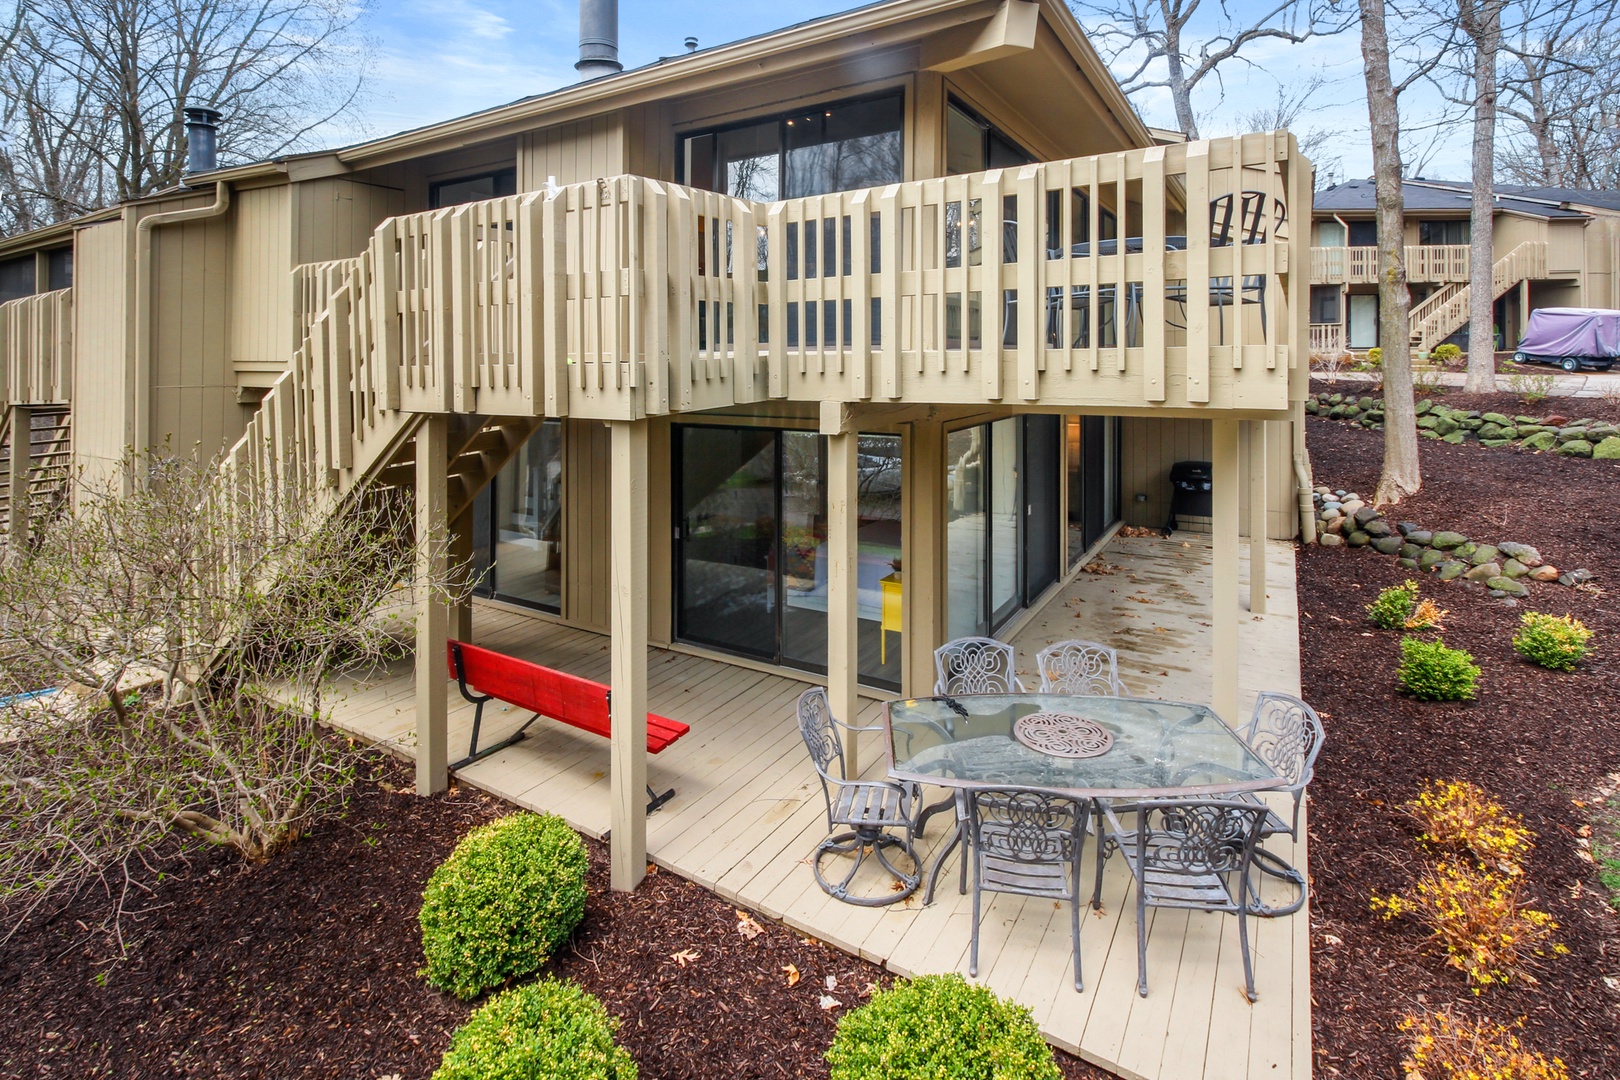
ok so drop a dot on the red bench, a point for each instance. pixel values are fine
(567, 699)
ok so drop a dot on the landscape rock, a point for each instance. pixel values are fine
(1541, 440)
(1455, 438)
(1330, 540)
(1350, 506)
(1407, 527)
(1482, 554)
(1335, 526)
(1464, 552)
(1378, 527)
(1555, 420)
(1407, 564)
(1507, 586)
(1444, 425)
(1496, 418)
(1575, 448)
(1430, 559)
(1366, 514)
(1492, 444)
(1446, 540)
(1514, 568)
(1608, 449)
(1451, 569)
(1410, 551)
(1358, 539)
(1331, 514)
(1575, 577)
(1484, 572)
(1422, 537)
(1544, 573)
(1386, 545)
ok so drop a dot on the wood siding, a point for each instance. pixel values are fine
(573, 153)
(261, 262)
(103, 409)
(1148, 448)
(587, 506)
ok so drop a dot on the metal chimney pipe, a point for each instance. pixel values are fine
(202, 140)
(598, 39)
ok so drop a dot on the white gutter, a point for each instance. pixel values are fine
(143, 302)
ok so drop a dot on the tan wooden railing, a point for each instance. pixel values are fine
(37, 332)
(1445, 311)
(1327, 339)
(626, 297)
(1359, 265)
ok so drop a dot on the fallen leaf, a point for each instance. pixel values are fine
(685, 956)
(747, 927)
(870, 989)
(829, 1002)
(792, 974)
(1332, 939)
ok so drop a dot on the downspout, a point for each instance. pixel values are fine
(1302, 478)
(143, 302)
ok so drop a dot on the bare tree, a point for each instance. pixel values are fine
(94, 91)
(1401, 474)
(192, 637)
(1288, 110)
(1560, 90)
(1156, 44)
(1481, 23)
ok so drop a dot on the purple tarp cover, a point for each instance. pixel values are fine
(1572, 332)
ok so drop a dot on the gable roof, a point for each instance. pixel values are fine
(1439, 196)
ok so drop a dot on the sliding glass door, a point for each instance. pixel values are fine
(1091, 461)
(751, 561)
(517, 525)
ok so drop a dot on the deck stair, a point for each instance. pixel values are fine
(50, 461)
(1445, 311)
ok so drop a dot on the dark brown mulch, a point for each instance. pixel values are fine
(1540, 741)
(306, 967)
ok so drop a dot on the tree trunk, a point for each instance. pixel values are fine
(1482, 21)
(1176, 78)
(1401, 475)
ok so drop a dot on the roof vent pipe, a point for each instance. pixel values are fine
(598, 39)
(202, 140)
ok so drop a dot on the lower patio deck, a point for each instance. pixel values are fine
(748, 811)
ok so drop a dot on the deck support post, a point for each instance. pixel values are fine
(843, 624)
(1224, 569)
(21, 464)
(1259, 490)
(628, 762)
(923, 514)
(432, 614)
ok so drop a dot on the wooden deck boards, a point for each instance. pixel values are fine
(748, 812)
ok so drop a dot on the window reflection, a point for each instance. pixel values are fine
(838, 147)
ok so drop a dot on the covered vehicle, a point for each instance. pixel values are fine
(1571, 338)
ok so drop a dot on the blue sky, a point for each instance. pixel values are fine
(445, 58)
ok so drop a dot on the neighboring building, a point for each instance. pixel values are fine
(1554, 247)
(709, 351)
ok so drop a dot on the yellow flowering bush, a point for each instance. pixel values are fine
(1461, 816)
(1426, 616)
(1445, 1047)
(1477, 918)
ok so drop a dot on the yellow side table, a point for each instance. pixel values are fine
(891, 614)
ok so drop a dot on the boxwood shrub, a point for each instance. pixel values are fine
(943, 1028)
(548, 1030)
(1394, 606)
(501, 904)
(1431, 672)
(1553, 641)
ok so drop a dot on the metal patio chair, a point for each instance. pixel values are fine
(1286, 734)
(862, 815)
(1079, 667)
(976, 665)
(1196, 854)
(1029, 843)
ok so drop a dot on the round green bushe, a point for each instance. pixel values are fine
(943, 1028)
(547, 1030)
(502, 903)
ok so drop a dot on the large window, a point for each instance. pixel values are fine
(517, 525)
(751, 546)
(1437, 233)
(17, 278)
(838, 147)
(1002, 529)
(973, 144)
(1324, 303)
(490, 185)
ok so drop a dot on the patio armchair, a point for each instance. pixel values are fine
(863, 816)
(1029, 843)
(976, 665)
(1286, 734)
(1193, 854)
(1079, 667)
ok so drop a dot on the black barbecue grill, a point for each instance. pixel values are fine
(1189, 491)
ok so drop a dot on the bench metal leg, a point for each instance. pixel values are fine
(475, 754)
(654, 801)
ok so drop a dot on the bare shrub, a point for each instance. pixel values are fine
(190, 636)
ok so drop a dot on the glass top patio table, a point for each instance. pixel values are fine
(1154, 748)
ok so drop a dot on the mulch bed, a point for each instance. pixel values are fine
(1540, 741)
(306, 967)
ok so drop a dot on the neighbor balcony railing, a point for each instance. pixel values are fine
(37, 333)
(1425, 264)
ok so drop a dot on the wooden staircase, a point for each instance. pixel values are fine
(1445, 311)
(49, 443)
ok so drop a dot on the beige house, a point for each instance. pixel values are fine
(1554, 247)
(781, 362)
